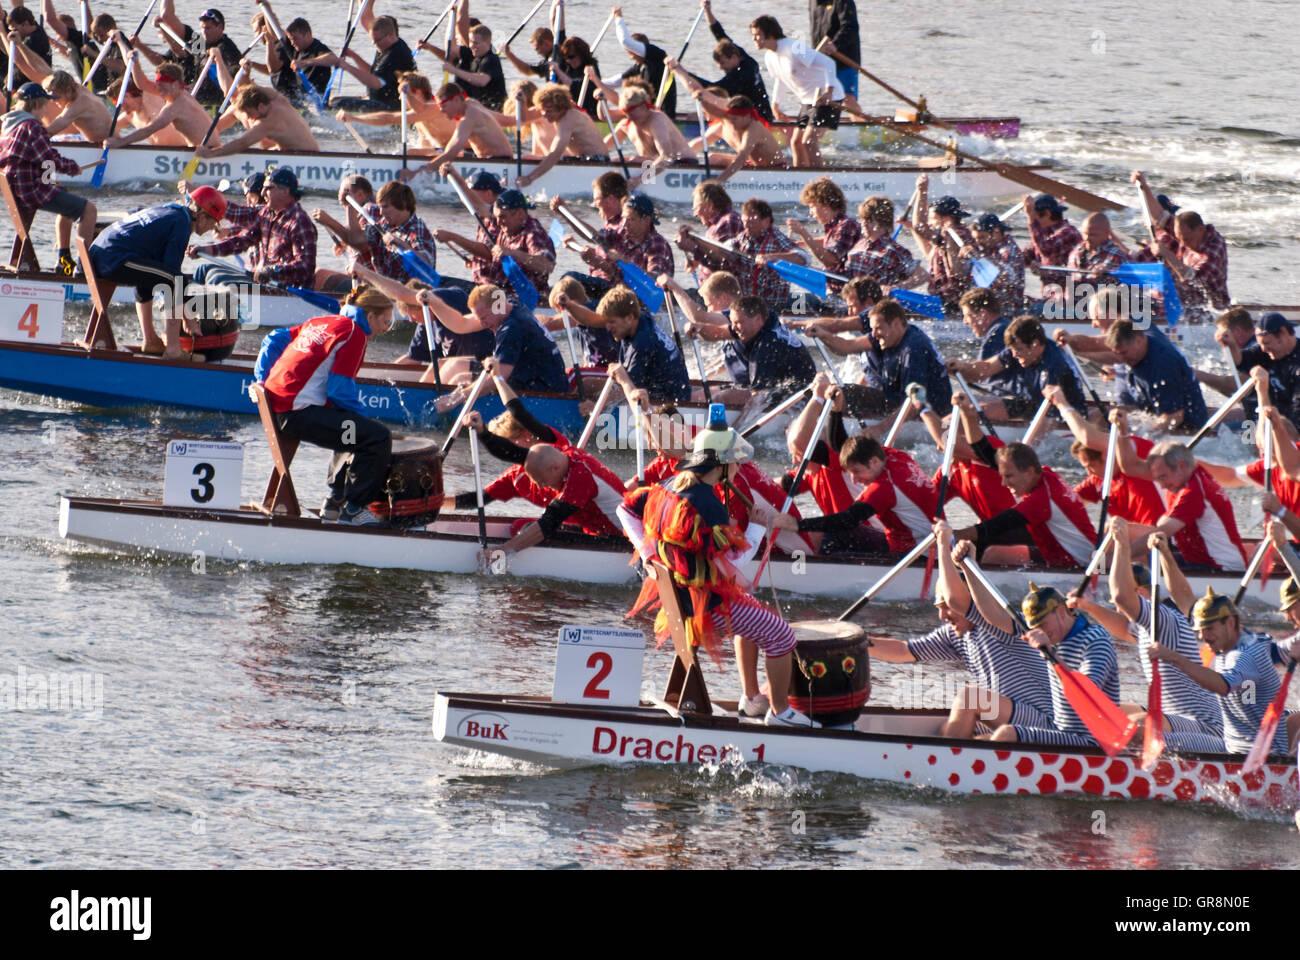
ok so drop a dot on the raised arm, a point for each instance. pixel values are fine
(1126, 456)
(1123, 588)
(1176, 585)
(985, 603)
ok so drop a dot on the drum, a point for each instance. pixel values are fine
(216, 339)
(832, 675)
(413, 492)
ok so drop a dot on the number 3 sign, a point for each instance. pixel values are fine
(203, 474)
(31, 312)
(598, 665)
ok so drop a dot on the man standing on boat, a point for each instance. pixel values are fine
(147, 249)
(309, 372)
(29, 160)
(810, 76)
(835, 30)
(682, 523)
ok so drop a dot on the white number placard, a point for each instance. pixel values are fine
(31, 312)
(599, 665)
(203, 474)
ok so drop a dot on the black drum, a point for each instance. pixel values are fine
(413, 492)
(216, 339)
(831, 679)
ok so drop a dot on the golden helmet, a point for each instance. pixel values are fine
(1039, 602)
(1211, 608)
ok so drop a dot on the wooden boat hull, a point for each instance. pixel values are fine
(149, 165)
(451, 546)
(892, 746)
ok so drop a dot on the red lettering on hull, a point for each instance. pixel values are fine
(606, 740)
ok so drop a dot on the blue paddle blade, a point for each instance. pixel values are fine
(312, 93)
(1137, 274)
(1173, 302)
(321, 300)
(557, 231)
(97, 178)
(926, 304)
(984, 272)
(642, 286)
(419, 268)
(814, 281)
(523, 287)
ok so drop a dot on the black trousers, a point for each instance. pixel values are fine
(362, 449)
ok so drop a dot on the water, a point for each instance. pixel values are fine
(279, 717)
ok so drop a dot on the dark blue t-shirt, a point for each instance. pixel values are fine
(1006, 383)
(913, 360)
(159, 234)
(1283, 380)
(1052, 370)
(447, 342)
(1164, 383)
(654, 363)
(521, 342)
(775, 357)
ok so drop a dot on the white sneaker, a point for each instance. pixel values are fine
(790, 717)
(754, 707)
(352, 516)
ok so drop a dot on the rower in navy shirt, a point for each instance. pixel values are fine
(648, 360)
(1159, 379)
(1037, 363)
(1276, 352)
(760, 353)
(899, 354)
(981, 310)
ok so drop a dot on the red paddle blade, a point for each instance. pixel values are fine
(1153, 737)
(1207, 655)
(1268, 726)
(1266, 566)
(1109, 725)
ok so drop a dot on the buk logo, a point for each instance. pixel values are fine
(484, 726)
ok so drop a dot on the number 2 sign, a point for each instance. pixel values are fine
(31, 312)
(598, 665)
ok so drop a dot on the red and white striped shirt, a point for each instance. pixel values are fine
(1058, 522)
(1209, 535)
(904, 499)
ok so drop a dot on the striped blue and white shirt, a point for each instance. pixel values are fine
(1180, 694)
(1001, 662)
(1086, 649)
(1252, 684)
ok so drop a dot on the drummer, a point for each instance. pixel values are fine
(309, 372)
(683, 525)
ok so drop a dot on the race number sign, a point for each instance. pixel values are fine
(598, 665)
(203, 474)
(31, 312)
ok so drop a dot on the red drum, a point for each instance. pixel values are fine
(216, 339)
(831, 679)
(413, 492)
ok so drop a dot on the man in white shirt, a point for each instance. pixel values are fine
(810, 76)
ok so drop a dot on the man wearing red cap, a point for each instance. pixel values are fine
(146, 251)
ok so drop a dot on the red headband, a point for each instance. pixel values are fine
(748, 112)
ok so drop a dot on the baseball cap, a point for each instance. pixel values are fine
(212, 13)
(1045, 201)
(1273, 323)
(485, 181)
(210, 201)
(254, 182)
(1166, 203)
(949, 207)
(989, 221)
(32, 91)
(512, 200)
(284, 177)
(642, 205)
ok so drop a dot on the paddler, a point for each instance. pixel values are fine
(973, 477)
(1283, 500)
(181, 121)
(682, 523)
(392, 58)
(634, 239)
(309, 372)
(759, 353)
(938, 229)
(476, 129)
(273, 124)
(576, 135)
(80, 109)
(1051, 236)
(878, 255)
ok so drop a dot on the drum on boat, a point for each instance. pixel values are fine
(413, 492)
(215, 340)
(831, 679)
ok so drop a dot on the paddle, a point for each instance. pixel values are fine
(415, 265)
(641, 283)
(983, 271)
(1221, 414)
(1078, 372)
(926, 304)
(519, 137)
(669, 74)
(1232, 366)
(704, 136)
(881, 83)
(613, 135)
(478, 489)
(907, 211)
(984, 419)
(428, 336)
(1109, 725)
(1112, 446)
(437, 23)
(950, 445)
(809, 278)
(1097, 556)
(1153, 737)
(519, 29)
(899, 419)
(908, 559)
(85, 34)
(336, 78)
(830, 368)
(1037, 422)
(103, 52)
(193, 165)
(1259, 750)
(523, 287)
(310, 91)
(365, 147)
(601, 400)
(586, 80)
(699, 358)
(775, 412)
(97, 179)
(405, 128)
(638, 429)
(321, 301)
(573, 350)
(465, 408)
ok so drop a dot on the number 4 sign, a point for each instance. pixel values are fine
(598, 665)
(203, 474)
(31, 312)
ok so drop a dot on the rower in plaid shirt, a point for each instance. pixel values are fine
(711, 204)
(1199, 265)
(521, 236)
(636, 240)
(825, 202)
(877, 255)
(1098, 254)
(28, 160)
(764, 243)
(283, 233)
(949, 278)
(993, 242)
(1052, 237)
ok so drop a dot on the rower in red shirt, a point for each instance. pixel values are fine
(1198, 516)
(974, 477)
(1046, 506)
(1133, 498)
(832, 487)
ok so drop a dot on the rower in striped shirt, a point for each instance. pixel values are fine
(1192, 719)
(1010, 680)
(1081, 645)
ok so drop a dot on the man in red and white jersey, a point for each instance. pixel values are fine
(974, 477)
(1134, 499)
(309, 373)
(1198, 516)
(828, 480)
(895, 491)
(1046, 506)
